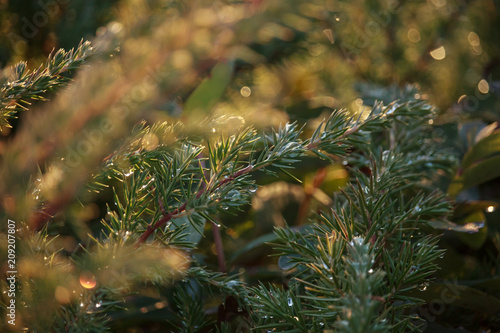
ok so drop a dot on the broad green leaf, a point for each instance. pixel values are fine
(486, 147)
(485, 132)
(470, 228)
(476, 174)
(476, 240)
(459, 295)
(210, 90)
(464, 209)
(456, 186)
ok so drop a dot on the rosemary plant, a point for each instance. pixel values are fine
(159, 184)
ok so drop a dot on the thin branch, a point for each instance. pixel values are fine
(218, 247)
(161, 222)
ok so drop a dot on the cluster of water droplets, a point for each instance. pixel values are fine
(414, 269)
(37, 189)
(293, 149)
(357, 241)
(423, 286)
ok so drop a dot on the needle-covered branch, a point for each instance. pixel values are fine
(25, 85)
(278, 149)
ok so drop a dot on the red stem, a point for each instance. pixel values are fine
(218, 247)
(319, 177)
(167, 217)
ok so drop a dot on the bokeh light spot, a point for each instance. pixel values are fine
(473, 39)
(182, 59)
(483, 86)
(87, 280)
(439, 53)
(413, 35)
(160, 305)
(245, 91)
(439, 3)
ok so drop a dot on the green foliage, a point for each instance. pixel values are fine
(209, 92)
(152, 170)
(479, 162)
(24, 85)
(353, 269)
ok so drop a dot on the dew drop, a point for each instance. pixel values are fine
(357, 241)
(385, 154)
(87, 280)
(290, 301)
(391, 110)
(423, 286)
(370, 271)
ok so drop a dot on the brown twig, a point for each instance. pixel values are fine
(218, 247)
(319, 177)
(161, 222)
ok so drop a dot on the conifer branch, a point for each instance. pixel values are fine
(25, 86)
(166, 218)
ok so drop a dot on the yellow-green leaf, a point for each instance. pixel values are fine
(210, 90)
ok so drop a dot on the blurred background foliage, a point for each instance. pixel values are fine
(276, 61)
